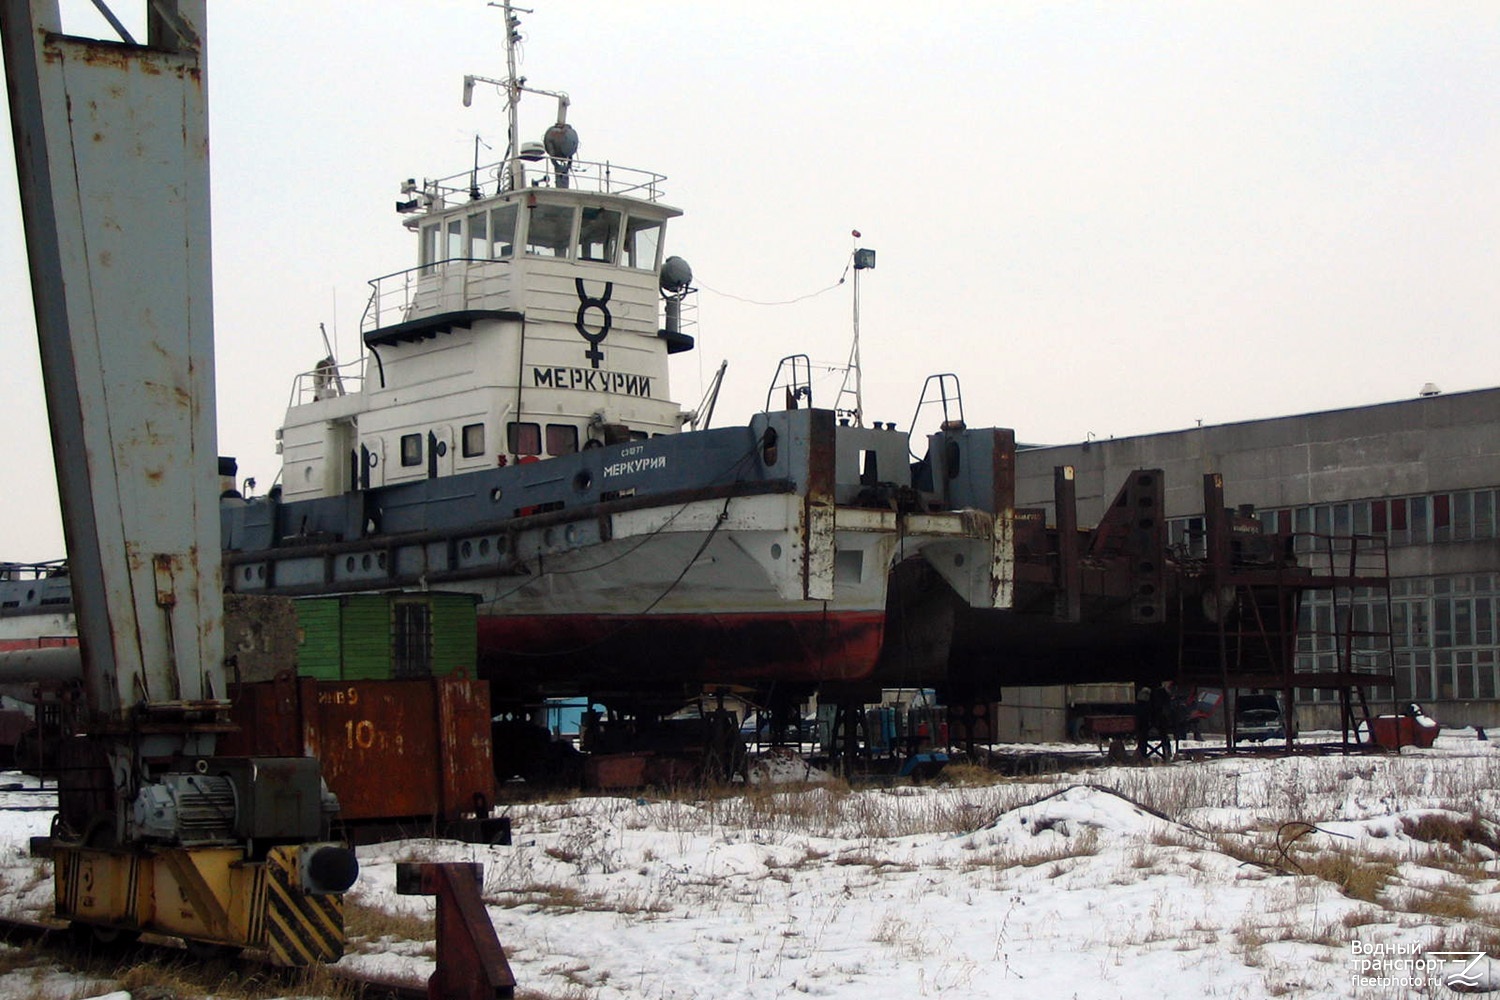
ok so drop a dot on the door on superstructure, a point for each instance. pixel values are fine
(440, 451)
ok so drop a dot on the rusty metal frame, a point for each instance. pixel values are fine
(471, 963)
(1280, 586)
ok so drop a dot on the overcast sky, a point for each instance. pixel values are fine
(1106, 218)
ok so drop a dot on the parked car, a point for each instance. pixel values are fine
(1259, 717)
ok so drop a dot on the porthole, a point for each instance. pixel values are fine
(775, 550)
(466, 549)
(496, 494)
(349, 564)
(583, 480)
(365, 562)
(484, 546)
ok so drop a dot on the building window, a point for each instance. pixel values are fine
(411, 449)
(1484, 514)
(473, 440)
(1442, 517)
(524, 439)
(1398, 534)
(1361, 512)
(1421, 532)
(412, 635)
(1463, 516)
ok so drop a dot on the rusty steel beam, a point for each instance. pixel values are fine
(471, 963)
(1069, 569)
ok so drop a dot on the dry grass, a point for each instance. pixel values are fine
(1444, 903)
(23, 956)
(1054, 851)
(1458, 834)
(550, 897)
(370, 924)
(179, 979)
(966, 775)
(1468, 937)
(1356, 876)
(572, 991)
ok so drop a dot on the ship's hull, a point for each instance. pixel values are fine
(736, 556)
(638, 653)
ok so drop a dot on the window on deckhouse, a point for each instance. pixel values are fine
(642, 241)
(598, 235)
(549, 230)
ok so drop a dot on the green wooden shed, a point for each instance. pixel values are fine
(386, 636)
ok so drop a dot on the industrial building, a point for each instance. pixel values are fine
(1420, 476)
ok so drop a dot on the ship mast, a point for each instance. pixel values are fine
(512, 91)
(864, 260)
(560, 141)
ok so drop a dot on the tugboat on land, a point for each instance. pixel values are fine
(509, 433)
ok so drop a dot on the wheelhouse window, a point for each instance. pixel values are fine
(549, 231)
(473, 440)
(429, 246)
(479, 241)
(642, 241)
(453, 245)
(524, 439)
(598, 235)
(562, 439)
(411, 449)
(503, 231)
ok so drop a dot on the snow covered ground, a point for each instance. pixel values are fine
(1243, 877)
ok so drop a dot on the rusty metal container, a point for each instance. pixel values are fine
(391, 750)
(1396, 731)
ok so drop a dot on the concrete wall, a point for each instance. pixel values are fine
(1448, 714)
(1423, 445)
